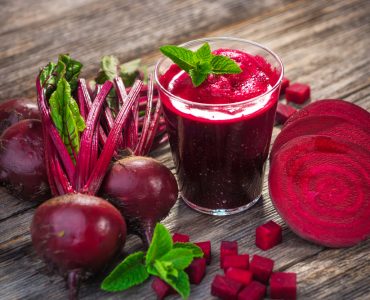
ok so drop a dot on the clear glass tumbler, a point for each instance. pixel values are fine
(220, 150)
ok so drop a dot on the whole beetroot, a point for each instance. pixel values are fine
(77, 235)
(22, 168)
(14, 110)
(144, 190)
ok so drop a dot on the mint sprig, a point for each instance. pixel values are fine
(164, 259)
(200, 63)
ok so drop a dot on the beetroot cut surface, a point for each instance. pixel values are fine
(322, 125)
(320, 187)
(335, 107)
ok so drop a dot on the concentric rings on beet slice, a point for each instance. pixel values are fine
(322, 125)
(320, 187)
(334, 107)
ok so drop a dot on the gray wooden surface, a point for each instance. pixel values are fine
(323, 43)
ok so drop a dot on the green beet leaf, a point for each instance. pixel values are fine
(129, 273)
(160, 245)
(66, 117)
(196, 251)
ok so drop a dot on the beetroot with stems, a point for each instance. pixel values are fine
(149, 189)
(227, 248)
(240, 275)
(283, 113)
(196, 270)
(225, 288)
(254, 291)
(161, 288)
(297, 93)
(283, 286)
(320, 187)
(180, 238)
(206, 248)
(14, 110)
(322, 125)
(268, 235)
(240, 261)
(261, 268)
(145, 196)
(22, 169)
(335, 107)
(78, 233)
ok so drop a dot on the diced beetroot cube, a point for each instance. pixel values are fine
(297, 93)
(242, 276)
(283, 112)
(225, 288)
(228, 248)
(206, 248)
(268, 235)
(196, 270)
(261, 268)
(236, 261)
(283, 286)
(284, 84)
(161, 288)
(254, 291)
(180, 238)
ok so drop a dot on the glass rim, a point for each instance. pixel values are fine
(211, 39)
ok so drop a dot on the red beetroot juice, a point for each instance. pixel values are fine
(220, 132)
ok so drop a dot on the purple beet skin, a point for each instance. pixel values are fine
(22, 168)
(14, 110)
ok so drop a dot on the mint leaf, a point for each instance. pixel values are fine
(66, 116)
(180, 283)
(196, 251)
(180, 258)
(184, 58)
(204, 52)
(201, 63)
(224, 65)
(128, 273)
(165, 269)
(196, 77)
(160, 245)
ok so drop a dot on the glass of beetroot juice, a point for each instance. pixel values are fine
(220, 131)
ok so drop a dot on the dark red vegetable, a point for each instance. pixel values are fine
(268, 235)
(284, 84)
(320, 187)
(14, 110)
(261, 268)
(206, 248)
(180, 238)
(196, 270)
(283, 286)
(240, 261)
(227, 248)
(335, 107)
(76, 232)
(241, 275)
(22, 169)
(283, 113)
(144, 191)
(225, 288)
(254, 291)
(161, 288)
(322, 125)
(297, 93)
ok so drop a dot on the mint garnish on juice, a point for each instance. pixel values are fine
(199, 64)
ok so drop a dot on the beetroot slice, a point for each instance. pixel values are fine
(322, 125)
(335, 107)
(320, 187)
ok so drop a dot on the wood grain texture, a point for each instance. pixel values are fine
(323, 43)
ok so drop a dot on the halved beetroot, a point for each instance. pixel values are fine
(322, 125)
(335, 107)
(320, 187)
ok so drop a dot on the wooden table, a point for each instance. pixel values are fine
(323, 43)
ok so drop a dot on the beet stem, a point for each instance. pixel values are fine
(93, 184)
(53, 132)
(83, 167)
(144, 133)
(73, 282)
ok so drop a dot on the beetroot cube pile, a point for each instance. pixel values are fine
(244, 280)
